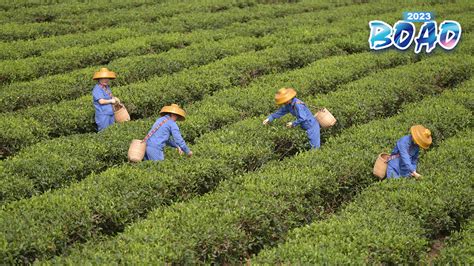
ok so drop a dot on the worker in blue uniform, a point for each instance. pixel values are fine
(103, 99)
(404, 157)
(164, 132)
(304, 117)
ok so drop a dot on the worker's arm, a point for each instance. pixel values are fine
(178, 139)
(98, 96)
(171, 143)
(415, 159)
(279, 113)
(104, 101)
(405, 159)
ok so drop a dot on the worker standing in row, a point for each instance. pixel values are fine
(404, 157)
(304, 117)
(103, 99)
(165, 132)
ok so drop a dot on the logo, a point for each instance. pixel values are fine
(403, 33)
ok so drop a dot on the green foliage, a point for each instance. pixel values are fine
(223, 60)
(459, 248)
(64, 118)
(78, 83)
(26, 48)
(30, 10)
(393, 221)
(241, 147)
(43, 163)
(72, 85)
(76, 116)
(104, 11)
(143, 99)
(160, 18)
(246, 213)
(69, 58)
(81, 153)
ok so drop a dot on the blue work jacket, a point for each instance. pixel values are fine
(99, 92)
(297, 108)
(167, 134)
(405, 164)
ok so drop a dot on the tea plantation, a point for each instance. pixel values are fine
(250, 193)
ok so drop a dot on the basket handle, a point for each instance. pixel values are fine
(118, 106)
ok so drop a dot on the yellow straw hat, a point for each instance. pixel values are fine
(173, 109)
(284, 94)
(104, 73)
(421, 136)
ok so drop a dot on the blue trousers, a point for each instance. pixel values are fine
(154, 154)
(392, 172)
(103, 121)
(314, 136)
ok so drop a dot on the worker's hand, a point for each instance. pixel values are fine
(190, 154)
(289, 124)
(117, 100)
(416, 175)
(180, 151)
(266, 121)
(113, 101)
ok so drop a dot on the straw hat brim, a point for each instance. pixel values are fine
(281, 99)
(174, 110)
(104, 75)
